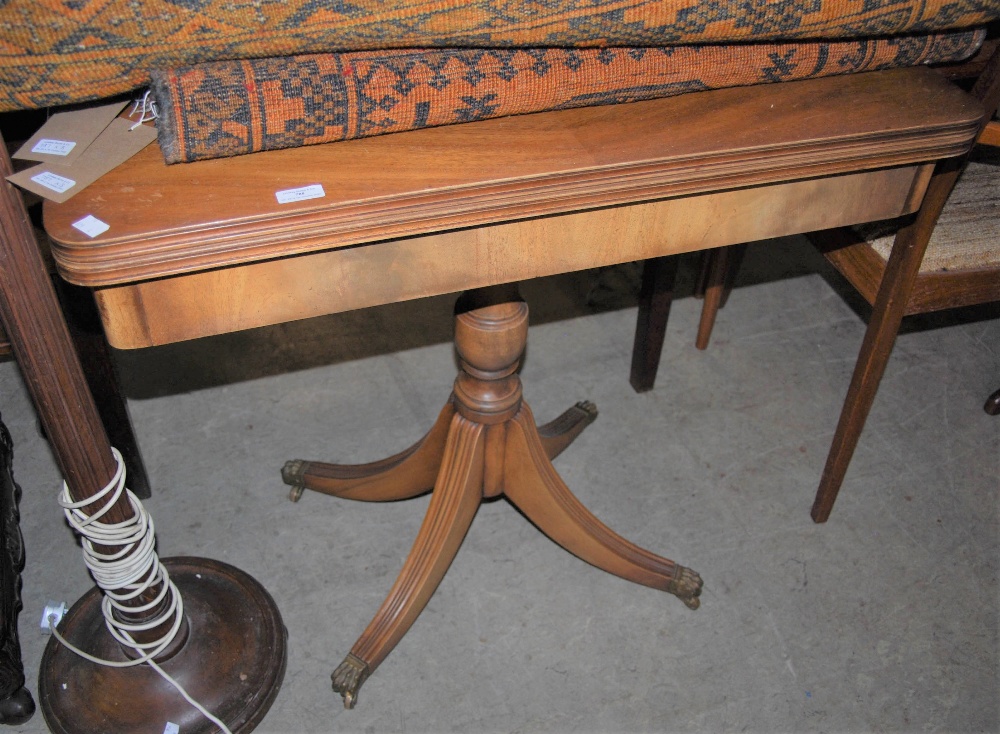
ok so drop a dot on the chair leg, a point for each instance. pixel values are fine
(887, 314)
(718, 274)
(736, 255)
(655, 297)
(713, 277)
(993, 404)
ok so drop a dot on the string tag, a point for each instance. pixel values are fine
(66, 135)
(146, 107)
(118, 142)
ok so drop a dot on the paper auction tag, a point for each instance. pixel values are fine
(65, 136)
(59, 181)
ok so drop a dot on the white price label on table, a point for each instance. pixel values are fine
(288, 196)
(91, 225)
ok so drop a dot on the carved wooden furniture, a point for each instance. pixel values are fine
(16, 704)
(897, 279)
(904, 289)
(207, 248)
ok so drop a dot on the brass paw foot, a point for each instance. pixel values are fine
(686, 586)
(348, 678)
(291, 474)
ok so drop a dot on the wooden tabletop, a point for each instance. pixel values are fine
(167, 220)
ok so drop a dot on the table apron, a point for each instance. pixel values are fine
(207, 303)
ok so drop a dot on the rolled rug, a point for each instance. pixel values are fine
(56, 53)
(228, 108)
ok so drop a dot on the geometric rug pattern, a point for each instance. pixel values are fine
(229, 108)
(55, 52)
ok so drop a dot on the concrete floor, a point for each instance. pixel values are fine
(884, 619)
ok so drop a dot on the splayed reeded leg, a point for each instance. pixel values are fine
(457, 495)
(533, 484)
(407, 474)
(485, 444)
(412, 472)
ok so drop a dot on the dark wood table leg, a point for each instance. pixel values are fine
(101, 699)
(655, 298)
(485, 444)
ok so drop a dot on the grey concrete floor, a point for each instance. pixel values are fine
(883, 619)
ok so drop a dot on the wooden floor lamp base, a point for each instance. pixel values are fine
(232, 662)
(484, 444)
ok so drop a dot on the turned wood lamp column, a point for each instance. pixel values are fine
(76, 695)
(485, 444)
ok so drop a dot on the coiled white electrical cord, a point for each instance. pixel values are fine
(126, 574)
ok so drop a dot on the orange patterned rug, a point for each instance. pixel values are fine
(230, 108)
(55, 52)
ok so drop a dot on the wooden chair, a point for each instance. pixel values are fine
(893, 273)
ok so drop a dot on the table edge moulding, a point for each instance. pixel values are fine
(168, 220)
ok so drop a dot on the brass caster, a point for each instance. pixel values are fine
(686, 586)
(348, 678)
(291, 474)
(585, 406)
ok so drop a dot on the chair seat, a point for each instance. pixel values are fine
(967, 236)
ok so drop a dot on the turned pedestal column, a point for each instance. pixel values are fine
(485, 444)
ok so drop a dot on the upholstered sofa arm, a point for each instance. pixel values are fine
(61, 52)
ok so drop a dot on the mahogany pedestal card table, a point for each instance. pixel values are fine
(206, 248)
